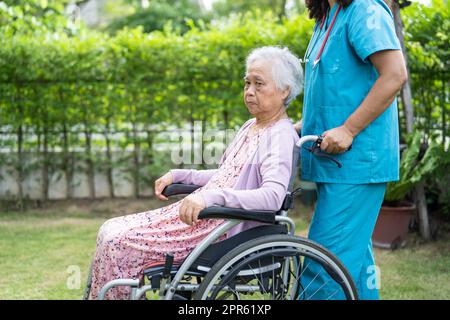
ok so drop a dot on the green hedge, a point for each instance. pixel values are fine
(74, 92)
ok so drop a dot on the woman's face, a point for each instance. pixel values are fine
(261, 95)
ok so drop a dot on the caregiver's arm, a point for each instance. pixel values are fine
(392, 75)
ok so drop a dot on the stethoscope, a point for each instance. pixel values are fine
(316, 37)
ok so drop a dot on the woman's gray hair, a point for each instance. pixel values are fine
(287, 71)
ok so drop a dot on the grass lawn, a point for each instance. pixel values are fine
(41, 252)
(36, 253)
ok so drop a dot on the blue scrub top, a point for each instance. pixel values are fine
(335, 88)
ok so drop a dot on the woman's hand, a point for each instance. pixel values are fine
(337, 140)
(161, 183)
(191, 207)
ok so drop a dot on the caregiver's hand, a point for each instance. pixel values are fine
(161, 183)
(337, 140)
(191, 207)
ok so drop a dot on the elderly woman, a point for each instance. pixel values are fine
(254, 173)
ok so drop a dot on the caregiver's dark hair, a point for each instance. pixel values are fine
(317, 8)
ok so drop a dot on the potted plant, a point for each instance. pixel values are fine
(418, 161)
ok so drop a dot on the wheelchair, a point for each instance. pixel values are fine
(262, 263)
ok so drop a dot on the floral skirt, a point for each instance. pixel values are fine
(129, 244)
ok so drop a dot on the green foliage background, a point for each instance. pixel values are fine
(64, 87)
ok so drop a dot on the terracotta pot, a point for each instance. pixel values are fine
(392, 226)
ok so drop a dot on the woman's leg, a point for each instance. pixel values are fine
(105, 266)
(126, 245)
(343, 222)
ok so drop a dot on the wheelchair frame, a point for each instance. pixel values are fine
(137, 292)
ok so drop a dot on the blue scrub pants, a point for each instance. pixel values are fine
(343, 222)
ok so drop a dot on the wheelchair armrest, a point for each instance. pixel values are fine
(218, 212)
(179, 188)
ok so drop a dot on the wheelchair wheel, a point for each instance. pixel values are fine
(273, 268)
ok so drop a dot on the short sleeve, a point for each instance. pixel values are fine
(371, 28)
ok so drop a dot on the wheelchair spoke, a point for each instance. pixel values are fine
(256, 277)
(299, 281)
(273, 280)
(300, 276)
(226, 294)
(337, 290)
(277, 270)
(284, 285)
(318, 290)
(259, 282)
(312, 281)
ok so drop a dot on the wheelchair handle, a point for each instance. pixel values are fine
(308, 138)
(179, 189)
(315, 138)
(315, 149)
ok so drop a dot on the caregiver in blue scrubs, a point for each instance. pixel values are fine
(354, 71)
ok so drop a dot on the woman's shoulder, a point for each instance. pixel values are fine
(245, 126)
(278, 140)
(285, 124)
(284, 129)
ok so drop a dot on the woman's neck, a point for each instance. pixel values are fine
(331, 3)
(262, 122)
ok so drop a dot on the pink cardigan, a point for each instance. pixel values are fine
(264, 179)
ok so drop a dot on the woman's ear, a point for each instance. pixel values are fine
(285, 93)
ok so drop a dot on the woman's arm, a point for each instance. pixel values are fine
(275, 168)
(392, 75)
(192, 176)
